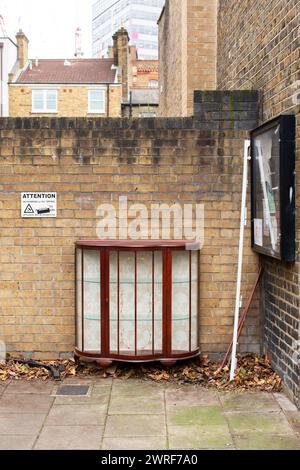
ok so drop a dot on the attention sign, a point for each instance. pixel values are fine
(37, 205)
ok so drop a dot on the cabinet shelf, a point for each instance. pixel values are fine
(132, 320)
(87, 281)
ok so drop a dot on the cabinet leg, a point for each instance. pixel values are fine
(76, 359)
(168, 363)
(104, 363)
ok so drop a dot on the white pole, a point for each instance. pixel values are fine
(240, 262)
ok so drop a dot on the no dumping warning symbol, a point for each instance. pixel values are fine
(38, 205)
(29, 210)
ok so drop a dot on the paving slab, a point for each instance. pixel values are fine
(134, 443)
(88, 400)
(199, 437)
(78, 380)
(133, 405)
(76, 415)
(261, 441)
(21, 423)
(103, 381)
(191, 397)
(247, 401)
(284, 402)
(13, 442)
(136, 388)
(3, 387)
(70, 438)
(25, 403)
(294, 419)
(196, 415)
(39, 387)
(135, 426)
(100, 389)
(275, 423)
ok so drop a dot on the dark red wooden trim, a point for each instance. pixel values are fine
(135, 303)
(153, 303)
(167, 302)
(190, 301)
(118, 299)
(139, 358)
(183, 244)
(105, 327)
(82, 299)
(77, 250)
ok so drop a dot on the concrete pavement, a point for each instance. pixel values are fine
(133, 414)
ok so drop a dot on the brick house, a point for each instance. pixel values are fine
(84, 87)
(75, 87)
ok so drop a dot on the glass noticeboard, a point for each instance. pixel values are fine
(273, 188)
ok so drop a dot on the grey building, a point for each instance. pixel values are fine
(139, 17)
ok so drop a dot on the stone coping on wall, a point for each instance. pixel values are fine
(187, 123)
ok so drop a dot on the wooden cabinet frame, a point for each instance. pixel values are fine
(104, 356)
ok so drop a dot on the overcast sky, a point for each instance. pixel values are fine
(50, 25)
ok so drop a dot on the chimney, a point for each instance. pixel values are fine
(121, 59)
(22, 43)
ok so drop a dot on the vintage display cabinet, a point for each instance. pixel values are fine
(136, 301)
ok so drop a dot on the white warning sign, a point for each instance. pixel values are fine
(37, 205)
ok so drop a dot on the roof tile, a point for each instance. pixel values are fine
(89, 71)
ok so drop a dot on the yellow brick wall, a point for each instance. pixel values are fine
(71, 102)
(259, 49)
(162, 161)
(187, 51)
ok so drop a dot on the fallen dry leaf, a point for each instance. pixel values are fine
(253, 372)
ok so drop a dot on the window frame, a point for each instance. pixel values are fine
(92, 111)
(44, 110)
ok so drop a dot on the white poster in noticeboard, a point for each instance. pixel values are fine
(38, 205)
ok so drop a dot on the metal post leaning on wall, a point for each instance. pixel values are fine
(240, 261)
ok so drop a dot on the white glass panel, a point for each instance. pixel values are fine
(127, 301)
(78, 300)
(92, 301)
(158, 302)
(38, 100)
(96, 95)
(195, 290)
(96, 101)
(180, 301)
(51, 100)
(144, 302)
(113, 302)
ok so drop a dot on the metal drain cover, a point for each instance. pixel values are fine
(72, 390)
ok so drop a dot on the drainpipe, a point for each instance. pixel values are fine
(240, 262)
(130, 104)
(107, 99)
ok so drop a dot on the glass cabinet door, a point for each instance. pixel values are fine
(79, 298)
(136, 304)
(91, 301)
(135, 307)
(184, 301)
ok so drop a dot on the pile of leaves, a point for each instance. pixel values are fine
(253, 372)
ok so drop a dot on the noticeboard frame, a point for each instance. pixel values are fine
(278, 209)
